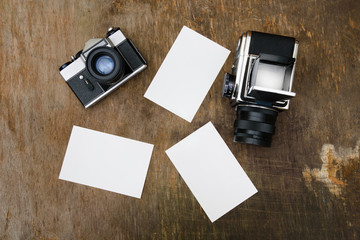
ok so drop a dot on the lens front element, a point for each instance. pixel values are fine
(104, 65)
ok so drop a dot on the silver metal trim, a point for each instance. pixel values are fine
(116, 38)
(296, 47)
(243, 64)
(72, 69)
(251, 58)
(256, 106)
(281, 92)
(241, 71)
(91, 43)
(239, 59)
(249, 88)
(111, 89)
(101, 43)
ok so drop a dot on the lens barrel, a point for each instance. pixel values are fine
(254, 125)
(106, 75)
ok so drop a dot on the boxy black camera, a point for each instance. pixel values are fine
(260, 84)
(102, 66)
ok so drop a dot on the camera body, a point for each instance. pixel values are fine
(102, 66)
(259, 86)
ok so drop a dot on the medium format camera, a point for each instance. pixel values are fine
(102, 66)
(260, 84)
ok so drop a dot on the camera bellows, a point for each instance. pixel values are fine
(254, 125)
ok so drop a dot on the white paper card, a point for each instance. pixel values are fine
(106, 161)
(211, 171)
(187, 73)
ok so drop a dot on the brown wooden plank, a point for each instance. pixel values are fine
(308, 189)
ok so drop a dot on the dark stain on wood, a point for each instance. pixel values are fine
(38, 110)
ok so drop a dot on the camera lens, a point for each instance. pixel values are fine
(104, 65)
(255, 125)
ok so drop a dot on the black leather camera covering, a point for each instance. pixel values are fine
(81, 89)
(271, 44)
(131, 55)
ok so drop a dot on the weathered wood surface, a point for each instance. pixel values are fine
(308, 181)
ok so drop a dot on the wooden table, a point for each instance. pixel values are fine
(308, 181)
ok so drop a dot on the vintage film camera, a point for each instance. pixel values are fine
(260, 84)
(102, 66)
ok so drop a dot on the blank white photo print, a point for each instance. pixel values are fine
(106, 161)
(211, 171)
(187, 73)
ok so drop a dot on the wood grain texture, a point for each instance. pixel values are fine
(295, 177)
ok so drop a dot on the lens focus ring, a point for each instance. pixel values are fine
(254, 125)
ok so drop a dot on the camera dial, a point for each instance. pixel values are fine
(64, 66)
(77, 55)
(228, 85)
(111, 31)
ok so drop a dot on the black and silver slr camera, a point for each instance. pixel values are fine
(260, 84)
(102, 66)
